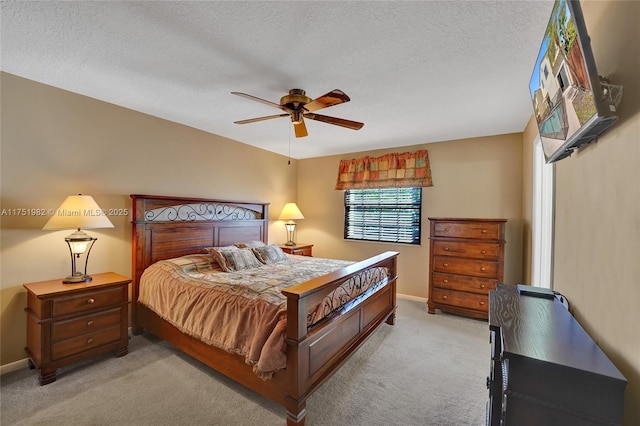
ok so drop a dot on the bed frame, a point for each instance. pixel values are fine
(167, 227)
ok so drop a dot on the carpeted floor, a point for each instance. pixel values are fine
(424, 370)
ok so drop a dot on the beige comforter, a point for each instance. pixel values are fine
(242, 312)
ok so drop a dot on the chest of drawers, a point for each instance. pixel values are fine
(466, 260)
(70, 322)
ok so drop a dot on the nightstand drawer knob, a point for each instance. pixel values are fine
(446, 249)
(90, 341)
(483, 251)
(91, 301)
(89, 323)
(484, 231)
(483, 269)
(445, 281)
(446, 264)
(444, 297)
(481, 303)
(481, 285)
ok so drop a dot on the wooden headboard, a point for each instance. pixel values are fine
(166, 227)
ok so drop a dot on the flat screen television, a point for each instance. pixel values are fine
(572, 104)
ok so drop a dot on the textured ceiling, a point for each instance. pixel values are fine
(416, 72)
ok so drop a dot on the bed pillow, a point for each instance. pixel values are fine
(270, 254)
(250, 244)
(234, 259)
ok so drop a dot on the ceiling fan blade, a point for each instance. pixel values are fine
(264, 101)
(300, 128)
(332, 98)
(268, 117)
(355, 125)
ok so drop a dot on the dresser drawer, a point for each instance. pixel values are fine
(85, 342)
(475, 268)
(476, 230)
(466, 249)
(91, 323)
(88, 301)
(477, 302)
(463, 283)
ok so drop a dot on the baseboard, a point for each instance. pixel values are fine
(409, 297)
(14, 366)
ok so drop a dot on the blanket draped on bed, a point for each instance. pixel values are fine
(242, 312)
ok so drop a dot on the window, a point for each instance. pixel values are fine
(542, 220)
(383, 214)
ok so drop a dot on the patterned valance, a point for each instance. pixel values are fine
(390, 170)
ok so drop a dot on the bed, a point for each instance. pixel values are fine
(166, 228)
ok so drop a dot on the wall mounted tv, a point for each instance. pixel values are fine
(571, 103)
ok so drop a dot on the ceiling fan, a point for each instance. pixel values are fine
(299, 106)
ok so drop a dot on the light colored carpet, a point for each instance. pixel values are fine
(424, 370)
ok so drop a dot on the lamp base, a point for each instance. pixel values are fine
(290, 243)
(77, 278)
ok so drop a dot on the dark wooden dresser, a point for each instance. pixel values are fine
(466, 260)
(545, 369)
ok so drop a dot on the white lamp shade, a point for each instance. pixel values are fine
(290, 212)
(76, 212)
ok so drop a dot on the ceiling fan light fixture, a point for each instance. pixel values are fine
(298, 105)
(296, 117)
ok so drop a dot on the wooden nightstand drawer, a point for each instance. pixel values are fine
(91, 323)
(85, 342)
(86, 301)
(298, 249)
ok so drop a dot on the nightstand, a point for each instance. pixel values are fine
(71, 322)
(299, 249)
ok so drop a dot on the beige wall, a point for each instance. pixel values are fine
(479, 177)
(597, 214)
(56, 143)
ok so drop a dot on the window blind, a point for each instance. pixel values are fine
(383, 214)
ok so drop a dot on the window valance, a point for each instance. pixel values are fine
(390, 170)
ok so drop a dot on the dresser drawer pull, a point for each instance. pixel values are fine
(481, 285)
(484, 231)
(481, 303)
(483, 269)
(445, 264)
(90, 340)
(446, 249)
(446, 229)
(89, 323)
(91, 301)
(445, 281)
(483, 252)
(444, 297)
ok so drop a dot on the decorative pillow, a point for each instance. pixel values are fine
(250, 244)
(234, 259)
(270, 254)
(217, 257)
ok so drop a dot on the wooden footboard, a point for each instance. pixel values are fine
(314, 355)
(166, 227)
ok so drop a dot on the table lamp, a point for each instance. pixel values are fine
(289, 213)
(77, 212)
